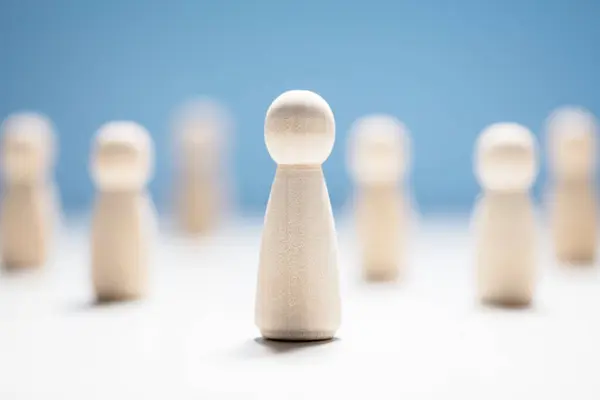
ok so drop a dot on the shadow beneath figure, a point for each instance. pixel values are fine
(494, 307)
(379, 285)
(21, 272)
(261, 347)
(280, 346)
(96, 304)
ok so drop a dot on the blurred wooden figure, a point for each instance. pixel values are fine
(378, 161)
(506, 168)
(201, 130)
(573, 202)
(29, 206)
(124, 220)
(298, 296)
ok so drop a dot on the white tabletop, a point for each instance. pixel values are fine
(194, 337)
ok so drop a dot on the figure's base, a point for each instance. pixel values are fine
(390, 274)
(117, 298)
(577, 260)
(11, 265)
(511, 303)
(297, 336)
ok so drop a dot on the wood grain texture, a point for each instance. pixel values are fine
(298, 294)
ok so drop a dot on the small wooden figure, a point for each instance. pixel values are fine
(201, 129)
(378, 161)
(29, 207)
(573, 200)
(298, 296)
(506, 168)
(124, 220)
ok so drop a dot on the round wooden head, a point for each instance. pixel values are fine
(27, 147)
(571, 134)
(201, 127)
(378, 150)
(506, 158)
(299, 129)
(123, 156)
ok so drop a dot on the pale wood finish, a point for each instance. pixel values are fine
(29, 207)
(381, 220)
(378, 161)
(124, 220)
(506, 242)
(298, 296)
(572, 193)
(201, 129)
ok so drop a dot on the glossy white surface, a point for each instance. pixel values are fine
(424, 338)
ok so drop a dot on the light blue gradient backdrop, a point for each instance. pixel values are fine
(446, 68)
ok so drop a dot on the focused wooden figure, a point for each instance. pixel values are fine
(123, 225)
(298, 296)
(29, 207)
(201, 132)
(506, 168)
(378, 161)
(572, 198)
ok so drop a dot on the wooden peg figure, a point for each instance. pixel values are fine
(28, 206)
(201, 128)
(506, 168)
(378, 161)
(298, 295)
(573, 201)
(123, 225)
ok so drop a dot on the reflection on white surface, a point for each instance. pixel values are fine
(423, 338)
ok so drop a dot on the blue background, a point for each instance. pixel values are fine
(446, 68)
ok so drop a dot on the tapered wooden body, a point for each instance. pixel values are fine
(28, 213)
(201, 128)
(381, 221)
(298, 294)
(506, 248)
(574, 222)
(27, 222)
(199, 201)
(123, 230)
